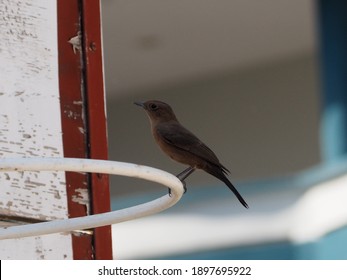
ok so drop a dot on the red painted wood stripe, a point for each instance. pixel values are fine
(97, 132)
(83, 118)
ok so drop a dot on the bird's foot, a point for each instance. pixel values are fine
(181, 176)
(184, 188)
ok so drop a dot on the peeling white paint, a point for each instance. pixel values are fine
(81, 197)
(81, 129)
(76, 42)
(53, 246)
(30, 122)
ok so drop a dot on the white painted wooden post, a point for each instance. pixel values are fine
(30, 125)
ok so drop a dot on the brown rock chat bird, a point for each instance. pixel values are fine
(183, 146)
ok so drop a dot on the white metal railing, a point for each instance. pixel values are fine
(92, 166)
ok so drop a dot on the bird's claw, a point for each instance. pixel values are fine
(184, 188)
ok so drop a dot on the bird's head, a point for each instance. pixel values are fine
(157, 111)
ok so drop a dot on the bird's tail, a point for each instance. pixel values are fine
(217, 172)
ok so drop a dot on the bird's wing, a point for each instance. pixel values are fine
(176, 135)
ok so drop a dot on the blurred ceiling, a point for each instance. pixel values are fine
(158, 43)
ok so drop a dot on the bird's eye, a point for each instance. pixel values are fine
(153, 106)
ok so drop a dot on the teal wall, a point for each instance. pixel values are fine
(332, 17)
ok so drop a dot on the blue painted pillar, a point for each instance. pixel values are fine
(332, 16)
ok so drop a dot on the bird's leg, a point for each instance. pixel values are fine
(184, 174)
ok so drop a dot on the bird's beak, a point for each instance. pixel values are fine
(138, 103)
